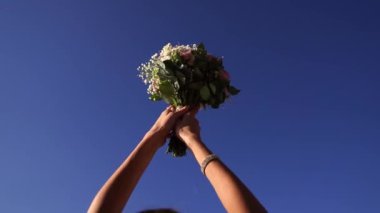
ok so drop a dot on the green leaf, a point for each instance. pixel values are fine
(233, 90)
(196, 85)
(169, 65)
(166, 88)
(214, 103)
(181, 77)
(193, 97)
(221, 97)
(165, 72)
(198, 73)
(160, 64)
(201, 50)
(205, 93)
(213, 88)
(168, 92)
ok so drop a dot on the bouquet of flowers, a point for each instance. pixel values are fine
(185, 75)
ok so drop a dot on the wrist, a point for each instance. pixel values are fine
(159, 131)
(200, 151)
(155, 137)
(192, 141)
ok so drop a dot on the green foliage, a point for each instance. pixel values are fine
(201, 50)
(205, 93)
(233, 90)
(176, 147)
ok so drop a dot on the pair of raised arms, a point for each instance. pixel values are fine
(233, 194)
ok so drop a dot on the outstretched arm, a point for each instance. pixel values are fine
(233, 193)
(115, 193)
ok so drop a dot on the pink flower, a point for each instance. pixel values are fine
(224, 75)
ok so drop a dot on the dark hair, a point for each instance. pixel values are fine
(158, 211)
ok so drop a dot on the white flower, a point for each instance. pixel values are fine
(166, 51)
(164, 58)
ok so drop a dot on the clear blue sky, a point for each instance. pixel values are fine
(303, 134)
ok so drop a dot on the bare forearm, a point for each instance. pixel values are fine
(233, 194)
(113, 196)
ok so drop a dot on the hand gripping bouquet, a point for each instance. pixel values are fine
(185, 75)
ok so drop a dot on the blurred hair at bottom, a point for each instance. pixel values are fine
(165, 210)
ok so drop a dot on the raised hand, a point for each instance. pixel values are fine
(166, 121)
(187, 128)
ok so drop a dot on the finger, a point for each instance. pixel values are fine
(169, 109)
(181, 110)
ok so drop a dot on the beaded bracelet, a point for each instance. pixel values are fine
(206, 161)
